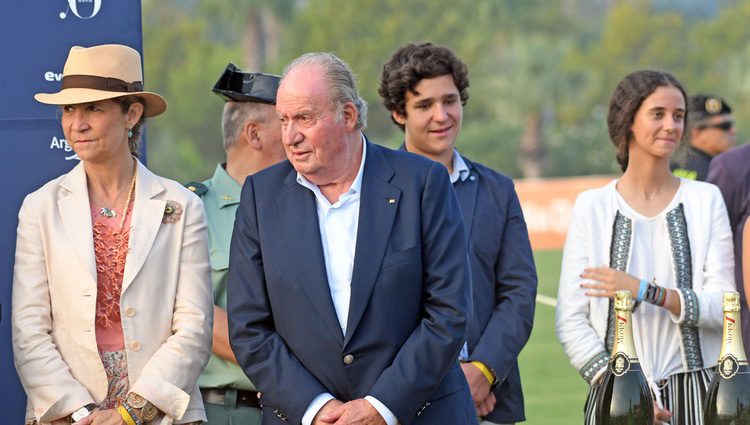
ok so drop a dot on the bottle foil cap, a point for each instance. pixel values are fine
(623, 300)
(731, 301)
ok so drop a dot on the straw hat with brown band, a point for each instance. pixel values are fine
(103, 72)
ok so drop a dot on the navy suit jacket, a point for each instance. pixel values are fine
(503, 279)
(410, 294)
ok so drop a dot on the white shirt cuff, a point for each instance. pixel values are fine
(385, 412)
(315, 406)
(464, 354)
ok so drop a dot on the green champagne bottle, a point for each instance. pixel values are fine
(624, 398)
(728, 398)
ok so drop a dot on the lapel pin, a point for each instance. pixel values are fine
(391, 200)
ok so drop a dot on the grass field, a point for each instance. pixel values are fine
(553, 390)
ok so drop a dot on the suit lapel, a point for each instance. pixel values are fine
(466, 192)
(76, 217)
(377, 211)
(299, 224)
(145, 222)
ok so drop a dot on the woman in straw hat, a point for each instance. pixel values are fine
(112, 303)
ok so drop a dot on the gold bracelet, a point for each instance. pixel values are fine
(491, 378)
(125, 415)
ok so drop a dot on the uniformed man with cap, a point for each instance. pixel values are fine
(252, 142)
(711, 132)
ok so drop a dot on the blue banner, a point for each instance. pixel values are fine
(36, 38)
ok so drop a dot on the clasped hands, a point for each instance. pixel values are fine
(97, 417)
(481, 390)
(355, 412)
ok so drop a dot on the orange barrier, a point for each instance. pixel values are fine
(547, 203)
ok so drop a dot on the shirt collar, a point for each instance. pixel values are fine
(356, 186)
(699, 152)
(226, 189)
(460, 169)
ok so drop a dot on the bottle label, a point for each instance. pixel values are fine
(620, 364)
(728, 366)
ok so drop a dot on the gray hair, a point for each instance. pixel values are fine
(342, 84)
(236, 114)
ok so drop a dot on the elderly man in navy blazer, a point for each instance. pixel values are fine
(425, 88)
(349, 294)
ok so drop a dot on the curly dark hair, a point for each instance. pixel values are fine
(125, 102)
(411, 64)
(627, 99)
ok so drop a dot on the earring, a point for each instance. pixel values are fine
(130, 133)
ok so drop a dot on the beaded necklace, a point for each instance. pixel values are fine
(110, 262)
(111, 213)
(130, 196)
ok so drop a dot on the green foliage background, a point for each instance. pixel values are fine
(558, 60)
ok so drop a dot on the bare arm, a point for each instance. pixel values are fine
(607, 280)
(221, 345)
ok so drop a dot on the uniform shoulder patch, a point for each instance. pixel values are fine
(198, 188)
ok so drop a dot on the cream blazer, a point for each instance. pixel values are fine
(166, 302)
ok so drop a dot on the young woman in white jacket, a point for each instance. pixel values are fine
(665, 239)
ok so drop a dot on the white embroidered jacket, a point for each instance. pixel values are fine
(596, 238)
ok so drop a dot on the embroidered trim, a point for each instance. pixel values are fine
(691, 306)
(619, 251)
(593, 366)
(683, 268)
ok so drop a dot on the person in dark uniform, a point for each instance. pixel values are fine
(711, 132)
(252, 142)
(730, 172)
(425, 87)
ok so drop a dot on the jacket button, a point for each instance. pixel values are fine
(348, 359)
(135, 346)
(130, 312)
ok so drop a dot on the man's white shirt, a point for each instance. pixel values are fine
(338, 223)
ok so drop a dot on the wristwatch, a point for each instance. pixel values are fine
(82, 412)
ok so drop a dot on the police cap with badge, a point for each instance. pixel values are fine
(703, 107)
(238, 86)
(234, 85)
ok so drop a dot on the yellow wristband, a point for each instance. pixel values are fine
(125, 415)
(485, 371)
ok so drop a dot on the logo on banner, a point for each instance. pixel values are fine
(62, 144)
(73, 7)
